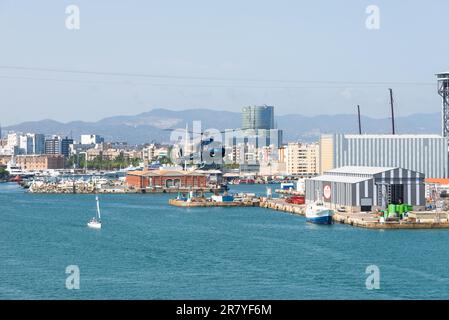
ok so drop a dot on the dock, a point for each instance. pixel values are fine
(69, 186)
(369, 221)
(290, 192)
(416, 220)
(202, 202)
(282, 205)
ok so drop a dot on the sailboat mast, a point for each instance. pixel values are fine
(185, 148)
(98, 208)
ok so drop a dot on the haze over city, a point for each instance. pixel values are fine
(303, 57)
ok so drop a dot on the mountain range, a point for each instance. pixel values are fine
(151, 126)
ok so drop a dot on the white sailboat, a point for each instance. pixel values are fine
(95, 222)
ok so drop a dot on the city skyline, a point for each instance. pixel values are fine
(303, 58)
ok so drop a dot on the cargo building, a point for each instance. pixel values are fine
(359, 188)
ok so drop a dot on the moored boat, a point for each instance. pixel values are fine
(319, 214)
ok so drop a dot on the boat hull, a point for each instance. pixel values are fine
(327, 219)
(94, 225)
(319, 215)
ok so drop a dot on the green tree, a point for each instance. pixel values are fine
(4, 174)
(231, 166)
(101, 163)
(164, 160)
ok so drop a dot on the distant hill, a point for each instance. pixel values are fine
(149, 126)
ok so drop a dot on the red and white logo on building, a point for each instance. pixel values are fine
(327, 192)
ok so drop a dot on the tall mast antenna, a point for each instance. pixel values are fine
(392, 111)
(360, 122)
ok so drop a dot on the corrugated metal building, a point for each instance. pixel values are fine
(418, 152)
(367, 188)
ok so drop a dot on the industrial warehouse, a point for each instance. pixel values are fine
(426, 153)
(367, 188)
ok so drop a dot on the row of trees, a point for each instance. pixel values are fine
(101, 163)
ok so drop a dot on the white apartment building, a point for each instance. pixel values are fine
(91, 139)
(12, 143)
(26, 144)
(303, 159)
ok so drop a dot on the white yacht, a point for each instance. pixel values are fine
(16, 170)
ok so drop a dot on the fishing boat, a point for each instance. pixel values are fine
(318, 213)
(95, 222)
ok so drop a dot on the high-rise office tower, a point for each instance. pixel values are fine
(258, 123)
(258, 117)
(65, 146)
(53, 145)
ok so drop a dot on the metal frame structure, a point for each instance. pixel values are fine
(443, 91)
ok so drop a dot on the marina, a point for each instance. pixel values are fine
(290, 202)
(112, 183)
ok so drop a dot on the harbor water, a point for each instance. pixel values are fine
(149, 250)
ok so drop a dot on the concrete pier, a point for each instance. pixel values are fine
(202, 202)
(281, 205)
(426, 220)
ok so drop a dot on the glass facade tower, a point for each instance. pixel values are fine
(258, 117)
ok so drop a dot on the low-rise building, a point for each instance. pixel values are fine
(39, 162)
(273, 168)
(4, 159)
(107, 154)
(437, 188)
(163, 179)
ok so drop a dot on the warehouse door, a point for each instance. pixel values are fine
(366, 204)
(395, 193)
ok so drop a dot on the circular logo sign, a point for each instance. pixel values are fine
(327, 192)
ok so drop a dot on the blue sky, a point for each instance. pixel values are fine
(276, 44)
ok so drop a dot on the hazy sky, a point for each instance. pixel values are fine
(308, 57)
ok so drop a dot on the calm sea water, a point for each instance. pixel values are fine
(148, 250)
